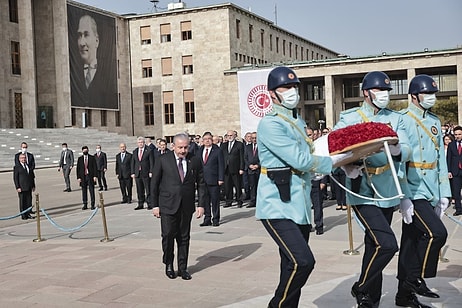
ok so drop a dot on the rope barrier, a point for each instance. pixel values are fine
(69, 229)
(17, 215)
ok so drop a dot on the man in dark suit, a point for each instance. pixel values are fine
(123, 171)
(30, 160)
(66, 163)
(175, 178)
(233, 154)
(454, 160)
(162, 149)
(24, 181)
(86, 176)
(101, 167)
(252, 165)
(214, 169)
(142, 165)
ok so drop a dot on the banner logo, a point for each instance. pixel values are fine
(259, 101)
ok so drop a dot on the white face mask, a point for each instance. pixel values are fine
(23, 150)
(98, 150)
(290, 98)
(382, 98)
(428, 101)
(64, 149)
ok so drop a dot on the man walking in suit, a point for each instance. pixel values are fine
(252, 165)
(214, 169)
(141, 167)
(233, 154)
(24, 181)
(66, 163)
(86, 176)
(454, 160)
(101, 167)
(176, 175)
(30, 160)
(123, 171)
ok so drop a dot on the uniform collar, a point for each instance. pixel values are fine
(278, 109)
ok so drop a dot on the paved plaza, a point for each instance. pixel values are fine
(233, 265)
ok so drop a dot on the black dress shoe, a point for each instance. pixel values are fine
(124, 201)
(216, 224)
(149, 208)
(185, 275)
(101, 189)
(169, 271)
(457, 214)
(24, 217)
(228, 205)
(129, 201)
(138, 208)
(205, 224)
(84, 207)
(420, 287)
(92, 207)
(363, 299)
(31, 212)
(239, 204)
(105, 189)
(250, 205)
(30, 217)
(319, 231)
(409, 300)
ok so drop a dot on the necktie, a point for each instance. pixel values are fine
(459, 149)
(254, 149)
(25, 168)
(140, 154)
(122, 156)
(180, 168)
(86, 164)
(88, 77)
(230, 145)
(206, 157)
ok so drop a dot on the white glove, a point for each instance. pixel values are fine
(337, 158)
(441, 206)
(395, 149)
(352, 171)
(407, 210)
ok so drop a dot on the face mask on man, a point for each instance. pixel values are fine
(85, 152)
(381, 100)
(64, 149)
(290, 98)
(98, 150)
(428, 101)
(23, 150)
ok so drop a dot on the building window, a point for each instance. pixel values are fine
(166, 66)
(312, 55)
(238, 28)
(148, 101)
(13, 5)
(88, 117)
(15, 59)
(250, 33)
(262, 36)
(290, 49)
(73, 117)
(296, 51)
(188, 98)
(147, 68)
(271, 42)
(117, 118)
(283, 47)
(145, 33)
(186, 30)
(165, 33)
(277, 44)
(169, 116)
(103, 117)
(301, 53)
(187, 65)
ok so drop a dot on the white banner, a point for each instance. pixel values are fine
(254, 99)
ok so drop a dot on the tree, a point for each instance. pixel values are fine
(446, 110)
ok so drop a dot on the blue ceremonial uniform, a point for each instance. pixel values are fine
(376, 182)
(427, 180)
(378, 171)
(280, 144)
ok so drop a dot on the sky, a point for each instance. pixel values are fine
(355, 27)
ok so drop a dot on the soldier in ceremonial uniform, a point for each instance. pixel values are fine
(283, 192)
(423, 232)
(373, 180)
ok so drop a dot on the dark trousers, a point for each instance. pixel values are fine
(25, 201)
(379, 247)
(253, 183)
(457, 186)
(317, 200)
(101, 179)
(297, 260)
(233, 180)
(246, 183)
(66, 173)
(176, 227)
(87, 183)
(126, 186)
(212, 204)
(340, 194)
(143, 189)
(421, 242)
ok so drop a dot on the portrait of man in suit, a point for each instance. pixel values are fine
(175, 178)
(24, 181)
(92, 50)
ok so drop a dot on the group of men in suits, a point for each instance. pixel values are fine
(454, 160)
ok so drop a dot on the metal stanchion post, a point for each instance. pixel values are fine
(103, 215)
(443, 259)
(350, 251)
(37, 210)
